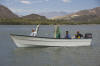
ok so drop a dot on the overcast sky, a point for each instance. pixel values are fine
(24, 7)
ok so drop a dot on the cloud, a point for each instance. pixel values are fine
(30, 2)
(25, 2)
(66, 1)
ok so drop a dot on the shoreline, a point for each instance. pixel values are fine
(49, 24)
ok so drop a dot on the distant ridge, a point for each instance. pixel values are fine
(90, 16)
(6, 13)
(52, 14)
(34, 16)
(83, 15)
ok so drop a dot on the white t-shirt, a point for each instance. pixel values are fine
(33, 34)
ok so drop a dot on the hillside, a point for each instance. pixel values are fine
(83, 15)
(52, 14)
(6, 13)
(91, 16)
(34, 17)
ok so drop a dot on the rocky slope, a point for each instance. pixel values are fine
(83, 15)
(6, 13)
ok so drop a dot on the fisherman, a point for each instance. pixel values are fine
(78, 35)
(57, 32)
(67, 35)
(33, 33)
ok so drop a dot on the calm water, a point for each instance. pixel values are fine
(49, 56)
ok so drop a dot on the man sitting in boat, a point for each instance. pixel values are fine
(67, 35)
(34, 33)
(78, 35)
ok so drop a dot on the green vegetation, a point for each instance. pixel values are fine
(24, 21)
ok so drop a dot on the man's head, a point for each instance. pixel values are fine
(66, 32)
(78, 31)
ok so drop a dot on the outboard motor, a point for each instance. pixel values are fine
(88, 35)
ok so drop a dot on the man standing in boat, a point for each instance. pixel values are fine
(33, 33)
(57, 32)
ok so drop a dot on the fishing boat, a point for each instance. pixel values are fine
(30, 41)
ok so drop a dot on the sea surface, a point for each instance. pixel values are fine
(10, 55)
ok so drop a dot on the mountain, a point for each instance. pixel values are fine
(83, 15)
(6, 13)
(52, 14)
(34, 16)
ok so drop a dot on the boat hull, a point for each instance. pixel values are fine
(28, 41)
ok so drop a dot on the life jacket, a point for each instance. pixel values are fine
(78, 36)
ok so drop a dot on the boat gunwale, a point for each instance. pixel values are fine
(46, 37)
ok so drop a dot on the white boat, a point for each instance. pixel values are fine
(29, 41)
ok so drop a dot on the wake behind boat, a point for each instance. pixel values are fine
(28, 41)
